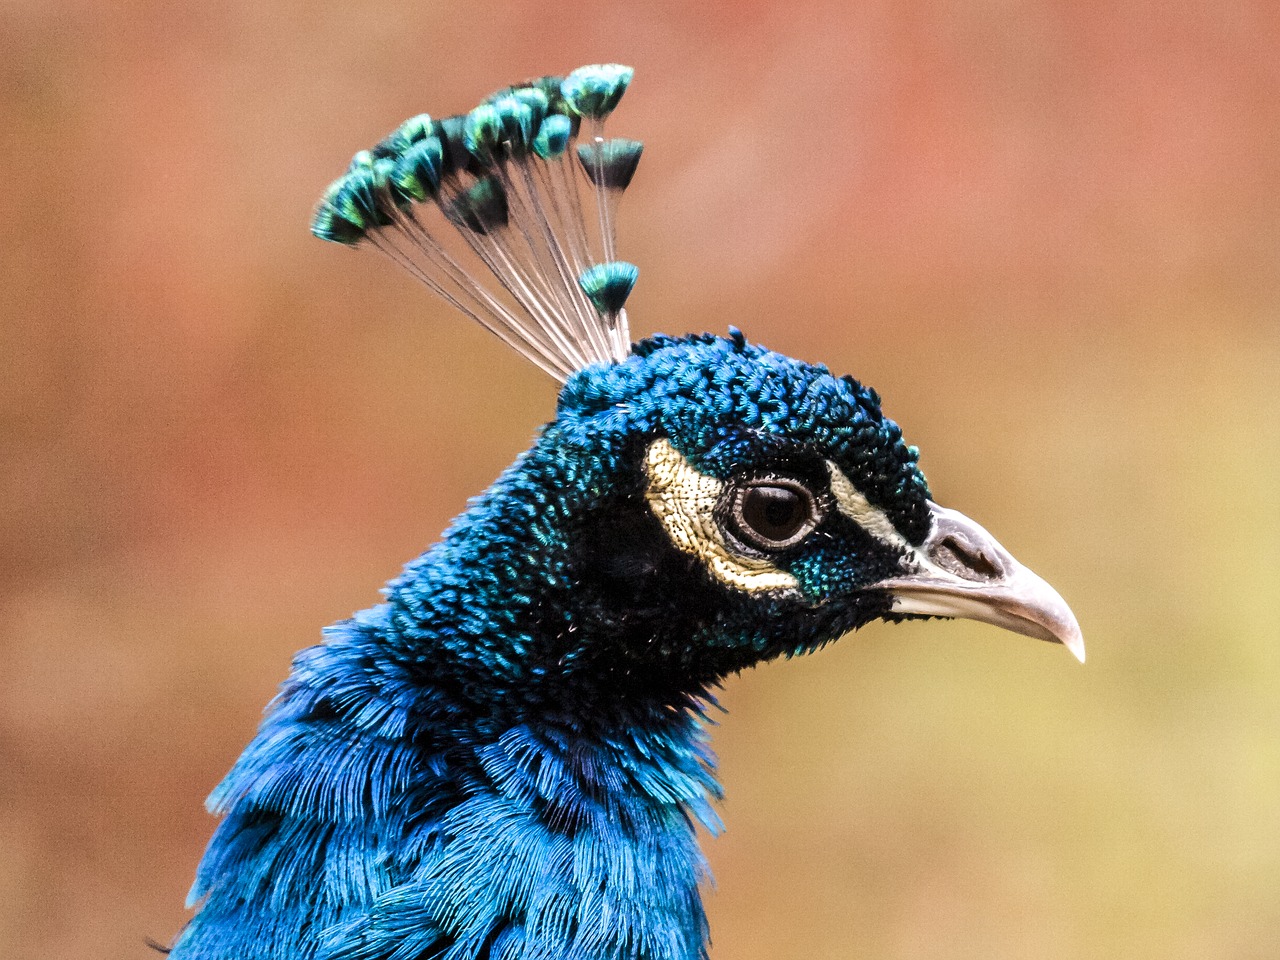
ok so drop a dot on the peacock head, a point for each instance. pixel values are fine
(744, 505)
(717, 504)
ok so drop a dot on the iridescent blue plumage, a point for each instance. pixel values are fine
(510, 750)
(507, 759)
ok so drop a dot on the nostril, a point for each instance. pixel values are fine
(963, 560)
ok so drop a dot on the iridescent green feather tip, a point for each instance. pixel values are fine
(506, 182)
(609, 284)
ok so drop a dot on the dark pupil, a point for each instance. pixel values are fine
(774, 513)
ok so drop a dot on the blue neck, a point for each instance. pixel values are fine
(453, 774)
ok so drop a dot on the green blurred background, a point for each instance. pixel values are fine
(1048, 233)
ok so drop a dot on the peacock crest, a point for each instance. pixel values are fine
(524, 189)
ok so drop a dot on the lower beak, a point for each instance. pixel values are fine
(962, 571)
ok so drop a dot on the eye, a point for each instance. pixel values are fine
(773, 513)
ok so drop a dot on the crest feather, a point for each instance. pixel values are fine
(499, 191)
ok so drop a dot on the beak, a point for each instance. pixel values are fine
(962, 571)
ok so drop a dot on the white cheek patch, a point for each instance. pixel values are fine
(851, 503)
(684, 500)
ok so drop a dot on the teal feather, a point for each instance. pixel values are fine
(483, 133)
(610, 164)
(594, 91)
(416, 173)
(404, 136)
(482, 208)
(609, 284)
(333, 220)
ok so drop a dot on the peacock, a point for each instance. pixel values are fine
(508, 758)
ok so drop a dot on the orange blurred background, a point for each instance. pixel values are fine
(1048, 233)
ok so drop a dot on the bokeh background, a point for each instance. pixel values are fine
(1048, 233)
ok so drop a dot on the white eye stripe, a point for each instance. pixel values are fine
(855, 506)
(685, 500)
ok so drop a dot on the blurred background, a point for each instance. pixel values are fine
(1048, 233)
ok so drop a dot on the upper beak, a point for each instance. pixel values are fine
(962, 571)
